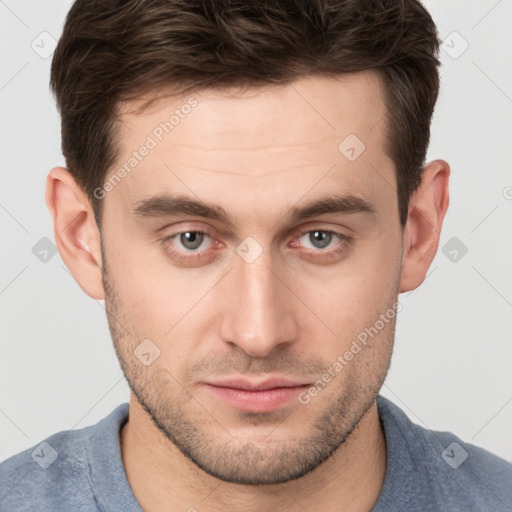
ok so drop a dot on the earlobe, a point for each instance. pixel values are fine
(76, 233)
(427, 209)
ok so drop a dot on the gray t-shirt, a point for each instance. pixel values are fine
(82, 470)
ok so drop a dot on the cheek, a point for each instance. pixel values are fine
(154, 293)
(352, 296)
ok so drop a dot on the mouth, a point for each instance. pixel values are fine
(255, 396)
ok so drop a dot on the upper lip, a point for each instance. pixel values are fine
(256, 385)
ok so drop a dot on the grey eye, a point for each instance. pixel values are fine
(320, 239)
(191, 239)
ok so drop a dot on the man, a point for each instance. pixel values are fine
(246, 189)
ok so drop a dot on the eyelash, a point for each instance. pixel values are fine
(191, 257)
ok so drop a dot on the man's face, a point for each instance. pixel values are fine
(266, 292)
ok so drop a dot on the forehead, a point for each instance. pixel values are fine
(266, 116)
(260, 138)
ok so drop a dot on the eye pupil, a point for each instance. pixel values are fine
(320, 239)
(191, 239)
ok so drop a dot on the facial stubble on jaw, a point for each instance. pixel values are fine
(249, 462)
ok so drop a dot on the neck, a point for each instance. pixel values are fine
(161, 477)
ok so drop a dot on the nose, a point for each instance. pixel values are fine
(258, 315)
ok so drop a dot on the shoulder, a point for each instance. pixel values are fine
(54, 474)
(455, 473)
(484, 478)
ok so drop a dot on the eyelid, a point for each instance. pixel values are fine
(309, 229)
(171, 238)
(214, 244)
(303, 230)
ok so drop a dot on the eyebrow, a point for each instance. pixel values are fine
(175, 205)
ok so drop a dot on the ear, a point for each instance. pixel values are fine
(422, 230)
(76, 233)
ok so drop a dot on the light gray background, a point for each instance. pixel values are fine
(452, 364)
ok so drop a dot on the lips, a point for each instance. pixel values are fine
(253, 385)
(255, 395)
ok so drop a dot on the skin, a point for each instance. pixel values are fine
(257, 153)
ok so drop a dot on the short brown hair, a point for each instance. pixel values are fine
(115, 50)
